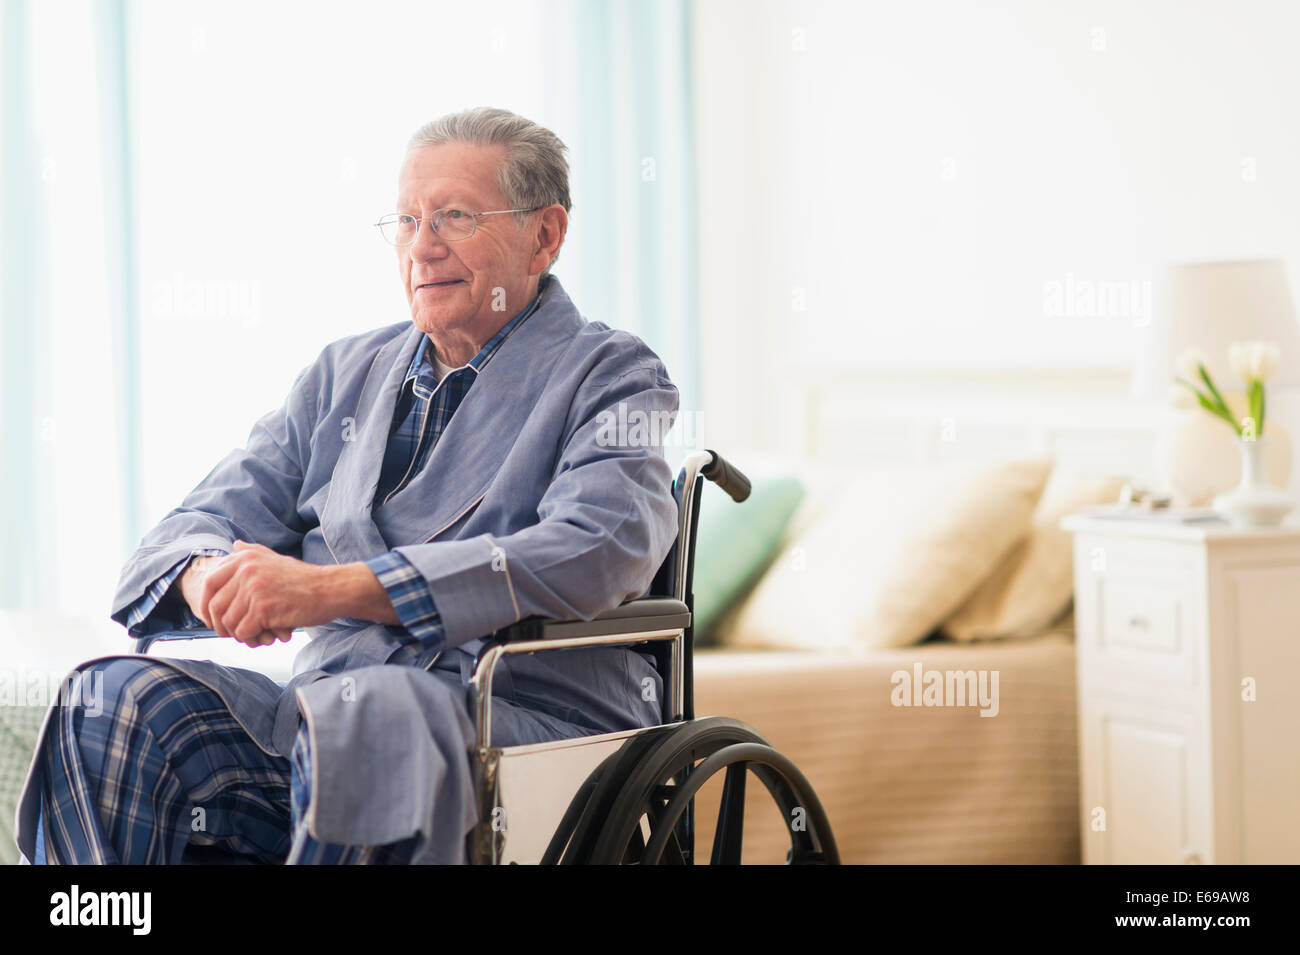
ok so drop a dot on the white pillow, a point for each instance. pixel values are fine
(891, 557)
(1034, 585)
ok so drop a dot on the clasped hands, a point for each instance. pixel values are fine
(258, 596)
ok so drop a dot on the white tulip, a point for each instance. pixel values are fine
(1186, 364)
(1254, 360)
(1270, 356)
(1238, 361)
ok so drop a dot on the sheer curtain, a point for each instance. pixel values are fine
(626, 95)
(181, 243)
(66, 400)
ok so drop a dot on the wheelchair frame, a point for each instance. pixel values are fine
(572, 800)
(501, 772)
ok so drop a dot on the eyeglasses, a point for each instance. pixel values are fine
(451, 224)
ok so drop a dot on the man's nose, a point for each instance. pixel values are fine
(428, 244)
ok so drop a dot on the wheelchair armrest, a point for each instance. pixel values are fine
(142, 644)
(665, 617)
(635, 616)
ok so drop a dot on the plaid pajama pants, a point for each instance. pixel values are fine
(164, 774)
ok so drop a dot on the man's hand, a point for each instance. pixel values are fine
(191, 588)
(258, 596)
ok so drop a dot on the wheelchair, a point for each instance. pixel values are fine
(628, 797)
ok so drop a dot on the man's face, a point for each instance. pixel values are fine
(498, 256)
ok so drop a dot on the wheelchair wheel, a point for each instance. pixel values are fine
(638, 808)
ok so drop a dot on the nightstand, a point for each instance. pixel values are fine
(1188, 670)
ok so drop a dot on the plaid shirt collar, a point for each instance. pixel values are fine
(421, 368)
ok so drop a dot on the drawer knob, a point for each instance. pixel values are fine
(1138, 622)
(1191, 857)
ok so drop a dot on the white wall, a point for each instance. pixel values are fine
(270, 136)
(895, 185)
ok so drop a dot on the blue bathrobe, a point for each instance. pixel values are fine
(529, 504)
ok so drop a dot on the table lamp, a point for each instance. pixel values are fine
(1208, 306)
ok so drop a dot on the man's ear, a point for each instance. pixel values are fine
(552, 227)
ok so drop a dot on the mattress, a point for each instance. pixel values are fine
(918, 783)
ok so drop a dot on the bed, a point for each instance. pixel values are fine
(919, 785)
(911, 784)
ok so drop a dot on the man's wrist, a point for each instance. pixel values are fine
(353, 590)
(190, 582)
(409, 595)
(192, 571)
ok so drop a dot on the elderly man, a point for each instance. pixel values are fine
(423, 485)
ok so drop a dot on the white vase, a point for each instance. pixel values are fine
(1255, 502)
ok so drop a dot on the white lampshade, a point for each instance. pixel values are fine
(1210, 305)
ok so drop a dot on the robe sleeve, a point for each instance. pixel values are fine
(250, 495)
(161, 609)
(605, 523)
(410, 596)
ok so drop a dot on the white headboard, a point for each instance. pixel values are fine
(1084, 418)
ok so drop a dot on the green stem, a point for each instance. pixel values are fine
(1205, 377)
(1218, 410)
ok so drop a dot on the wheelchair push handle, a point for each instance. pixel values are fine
(726, 476)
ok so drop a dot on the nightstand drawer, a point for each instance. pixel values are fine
(1139, 612)
(1142, 617)
(1134, 630)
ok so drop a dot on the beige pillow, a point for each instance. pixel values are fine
(1034, 585)
(890, 557)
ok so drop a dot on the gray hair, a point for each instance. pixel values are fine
(534, 172)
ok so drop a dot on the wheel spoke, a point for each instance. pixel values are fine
(636, 847)
(672, 854)
(731, 817)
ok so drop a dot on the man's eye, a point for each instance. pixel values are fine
(455, 214)
(406, 220)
